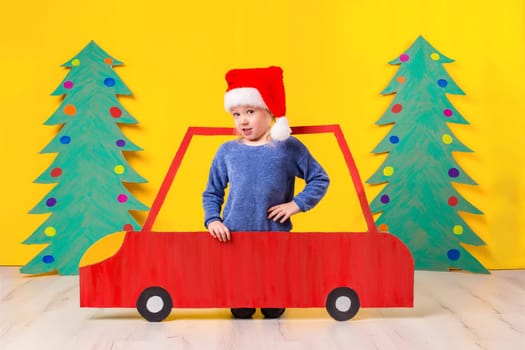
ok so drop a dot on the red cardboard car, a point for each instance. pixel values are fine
(342, 271)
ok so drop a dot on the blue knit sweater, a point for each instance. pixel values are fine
(260, 177)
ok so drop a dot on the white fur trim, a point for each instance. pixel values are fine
(281, 129)
(246, 96)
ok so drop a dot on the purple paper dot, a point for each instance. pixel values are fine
(109, 82)
(68, 84)
(385, 199)
(48, 259)
(393, 139)
(122, 198)
(121, 143)
(447, 113)
(453, 254)
(442, 83)
(51, 202)
(453, 172)
(404, 57)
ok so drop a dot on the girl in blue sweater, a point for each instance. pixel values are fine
(260, 167)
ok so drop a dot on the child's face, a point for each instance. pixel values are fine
(252, 123)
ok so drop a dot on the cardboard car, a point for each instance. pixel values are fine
(341, 271)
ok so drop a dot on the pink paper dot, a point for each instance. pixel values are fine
(404, 57)
(122, 198)
(68, 84)
(447, 112)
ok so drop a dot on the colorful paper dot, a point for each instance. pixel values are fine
(388, 171)
(401, 79)
(385, 199)
(452, 201)
(398, 107)
(68, 84)
(434, 56)
(447, 113)
(56, 172)
(115, 112)
(457, 229)
(393, 139)
(404, 57)
(50, 231)
(70, 110)
(119, 169)
(122, 198)
(127, 227)
(120, 143)
(453, 254)
(447, 139)
(383, 227)
(108, 60)
(65, 140)
(453, 172)
(51, 202)
(109, 82)
(75, 62)
(48, 259)
(442, 83)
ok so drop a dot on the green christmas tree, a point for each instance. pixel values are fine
(419, 203)
(89, 200)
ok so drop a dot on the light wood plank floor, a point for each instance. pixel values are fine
(453, 310)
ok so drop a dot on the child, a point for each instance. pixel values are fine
(260, 167)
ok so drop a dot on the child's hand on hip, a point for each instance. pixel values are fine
(218, 230)
(282, 212)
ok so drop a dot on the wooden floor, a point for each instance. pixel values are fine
(453, 310)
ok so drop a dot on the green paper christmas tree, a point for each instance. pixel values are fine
(89, 200)
(419, 203)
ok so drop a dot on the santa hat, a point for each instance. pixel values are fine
(259, 87)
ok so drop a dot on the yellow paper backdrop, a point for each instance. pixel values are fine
(335, 56)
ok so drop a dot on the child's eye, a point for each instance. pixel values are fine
(250, 111)
(236, 115)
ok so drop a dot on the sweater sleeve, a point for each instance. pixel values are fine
(316, 180)
(213, 195)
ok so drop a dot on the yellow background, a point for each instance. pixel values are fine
(335, 57)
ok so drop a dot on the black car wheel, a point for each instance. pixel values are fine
(154, 304)
(342, 303)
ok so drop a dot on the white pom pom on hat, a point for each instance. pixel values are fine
(259, 87)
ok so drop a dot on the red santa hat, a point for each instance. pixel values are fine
(259, 87)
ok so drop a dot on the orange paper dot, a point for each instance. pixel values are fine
(401, 79)
(108, 60)
(383, 228)
(70, 110)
